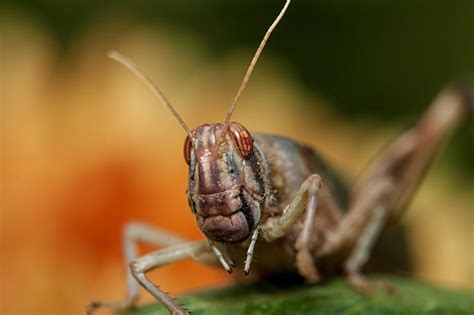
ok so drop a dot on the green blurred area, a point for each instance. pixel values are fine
(378, 59)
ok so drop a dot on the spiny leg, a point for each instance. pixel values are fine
(387, 185)
(305, 201)
(134, 233)
(198, 250)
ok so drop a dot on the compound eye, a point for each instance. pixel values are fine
(242, 139)
(187, 150)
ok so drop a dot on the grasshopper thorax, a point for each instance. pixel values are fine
(225, 188)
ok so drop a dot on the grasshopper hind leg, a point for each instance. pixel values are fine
(385, 188)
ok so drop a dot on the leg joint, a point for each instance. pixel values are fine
(135, 268)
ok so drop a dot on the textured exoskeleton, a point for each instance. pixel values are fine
(269, 197)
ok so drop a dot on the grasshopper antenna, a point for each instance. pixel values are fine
(251, 67)
(153, 87)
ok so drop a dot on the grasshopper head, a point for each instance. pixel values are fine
(225, 188)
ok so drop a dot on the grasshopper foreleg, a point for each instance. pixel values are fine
(305, 202)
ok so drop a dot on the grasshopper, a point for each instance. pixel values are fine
(273, 198)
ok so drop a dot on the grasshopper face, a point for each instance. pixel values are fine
(225, 189)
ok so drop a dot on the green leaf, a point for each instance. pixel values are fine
(334, 297)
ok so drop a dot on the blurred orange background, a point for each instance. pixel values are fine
(87, 148)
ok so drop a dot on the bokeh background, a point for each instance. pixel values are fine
(86, 147)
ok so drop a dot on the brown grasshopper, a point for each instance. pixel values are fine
(270, 197)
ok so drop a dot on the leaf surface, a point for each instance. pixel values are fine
(334, 297)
